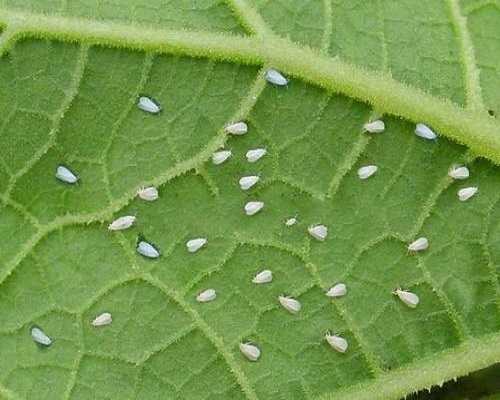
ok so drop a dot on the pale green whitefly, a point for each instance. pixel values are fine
(149, 193)
(367, 171)
(40, 336)
(338, 290)
(377, 126)
(102, 320)
(237, 128)
(291, 305)
(337, 342)
(264, 276)
(194, 245)
(220, 157)
(255, 155)
(147, 250)
(458, 172)
(408, 298)
(318, 232)
(149, 105)
(291, 221)
(65, 175)
(419, 244)
(465, 194)
(206, 296)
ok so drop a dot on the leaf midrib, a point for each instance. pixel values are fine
(478, 131)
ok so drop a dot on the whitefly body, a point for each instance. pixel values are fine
(220, 157)
(122, 223)
(194, 245)
(291, 221)
(206, 296)
(102, 319)
(420, 244)
(40, 336)
(247, 182)
(250, 351)
(147, 104)
(65, 175)
(147, 250)
(465, 194)
(253, 207)
(291, 305)
(264, 276)
(318, 232)
(237, 128)
(425, 132)
(276, 78)
(337, 342)
(459, 172)
(377, 126)
(338, 290)
(367, 171)
(408, 298)
(149, 193)
(255, 155)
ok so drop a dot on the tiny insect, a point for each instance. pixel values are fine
(65, 175)
(102, 320)
(255, 155)
(377, 126)
(291, 305)
(318, 232)
(148, 105)
(149, 193)
(367, 171)
(248, 181)
(264, 276)
(220, 156)
(338, 290)
(419, 244)
(409, 298)
(194, 245)
(122, 223)
(337, 342)
(250, 351)
(458, 172)
(425, 132)
(147, 250)
(238, 128)
(291, 221)
(40, 336)
(206, 296)
(465, 194)
(253, 207)
(276, 78)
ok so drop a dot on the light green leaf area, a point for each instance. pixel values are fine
(70, 77)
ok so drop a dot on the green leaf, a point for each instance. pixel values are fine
(71, 73)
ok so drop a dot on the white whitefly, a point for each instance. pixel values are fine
(247, 182)
(318, 232)
(253, 207)
(149, 193)
(102, 319)
(250, 351)
(425, 132)
(194, 245)
(291, 221)
(465, 194)
(206, 296)
(148, 105)
(409, 298)
(221, 156)
(459, 172)
(337, 342)
(377, 126)
(65, 175)
(237, 128)
(255, 155)
(147, 250)
(367, 171)
(276, 78)
(40, 336)
(338, 290)
(418, 245)
(264, 276)
(122, 223)
(291, 305)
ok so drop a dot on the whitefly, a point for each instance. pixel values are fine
(65, 175)
(149, 105)
(276, 78)
(147, 250)
(40, 336)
